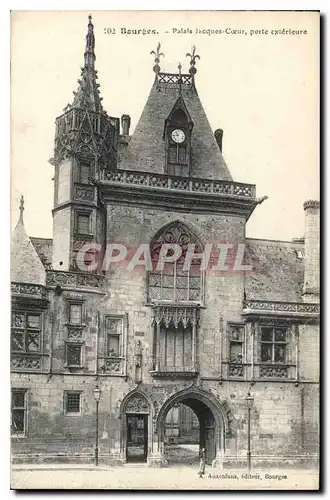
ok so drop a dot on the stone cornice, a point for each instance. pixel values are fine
(278, 309)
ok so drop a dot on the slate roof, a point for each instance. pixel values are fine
(145, 151)
(278, 271)
(25, 264)
(44, 248)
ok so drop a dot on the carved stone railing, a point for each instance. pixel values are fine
(280, 308)
(187, 371)
(75, 280)
(175, 79)
(29, 289)
(193, 185)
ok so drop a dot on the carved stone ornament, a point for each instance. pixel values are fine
(273, 371)
(26, 362)
(76, 280)
(137, 404)
(112, 365)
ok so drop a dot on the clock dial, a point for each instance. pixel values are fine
(178, 135)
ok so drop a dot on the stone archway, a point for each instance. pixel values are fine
(212, 420)
(136, 413)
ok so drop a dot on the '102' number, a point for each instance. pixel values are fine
(109, 31)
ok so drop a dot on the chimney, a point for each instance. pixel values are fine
(125, 124)
(312, 251)
(218, 134)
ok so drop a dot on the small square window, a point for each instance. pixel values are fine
(75, 314)
(73, 355)
(73, 403)
(83, 224)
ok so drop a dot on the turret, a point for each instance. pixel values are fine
(312, 251)
(85, 143)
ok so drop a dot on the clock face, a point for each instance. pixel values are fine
(178, 135)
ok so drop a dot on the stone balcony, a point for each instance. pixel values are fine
(176, 183)
(188, 193)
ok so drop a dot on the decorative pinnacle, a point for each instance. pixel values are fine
(157, 55)
(90, 45)
(21, 208)
(193, 57)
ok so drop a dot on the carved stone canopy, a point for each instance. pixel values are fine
(168, 315)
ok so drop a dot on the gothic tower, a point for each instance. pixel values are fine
(85, 142)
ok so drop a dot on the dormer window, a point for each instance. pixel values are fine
(177, 135)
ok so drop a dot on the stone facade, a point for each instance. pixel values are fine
(210, 341)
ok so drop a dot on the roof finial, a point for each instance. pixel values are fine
(180, 78)
(193, 57)
(21, 208)
(157, 55)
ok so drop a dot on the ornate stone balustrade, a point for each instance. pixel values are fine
(187, 371)
(290, 309)
(29, 289)
(152, 180)
(75, 280)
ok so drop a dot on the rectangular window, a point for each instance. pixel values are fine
(25, 332)
(72, 402)
(83, 224)
(273, 345)
(85, 172)
(18, 411)
(75, 314)
(113, 345)
(113, 328)
(73, 355)
(236, 343)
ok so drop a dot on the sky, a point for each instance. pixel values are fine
(261, 89)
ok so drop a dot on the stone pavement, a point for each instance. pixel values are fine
(58, 476)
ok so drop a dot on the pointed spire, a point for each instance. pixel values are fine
(88, 94)
(21, 209)
(25, 263)
(90, 45)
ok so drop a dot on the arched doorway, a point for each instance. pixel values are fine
(211, 418)
(136, 427)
